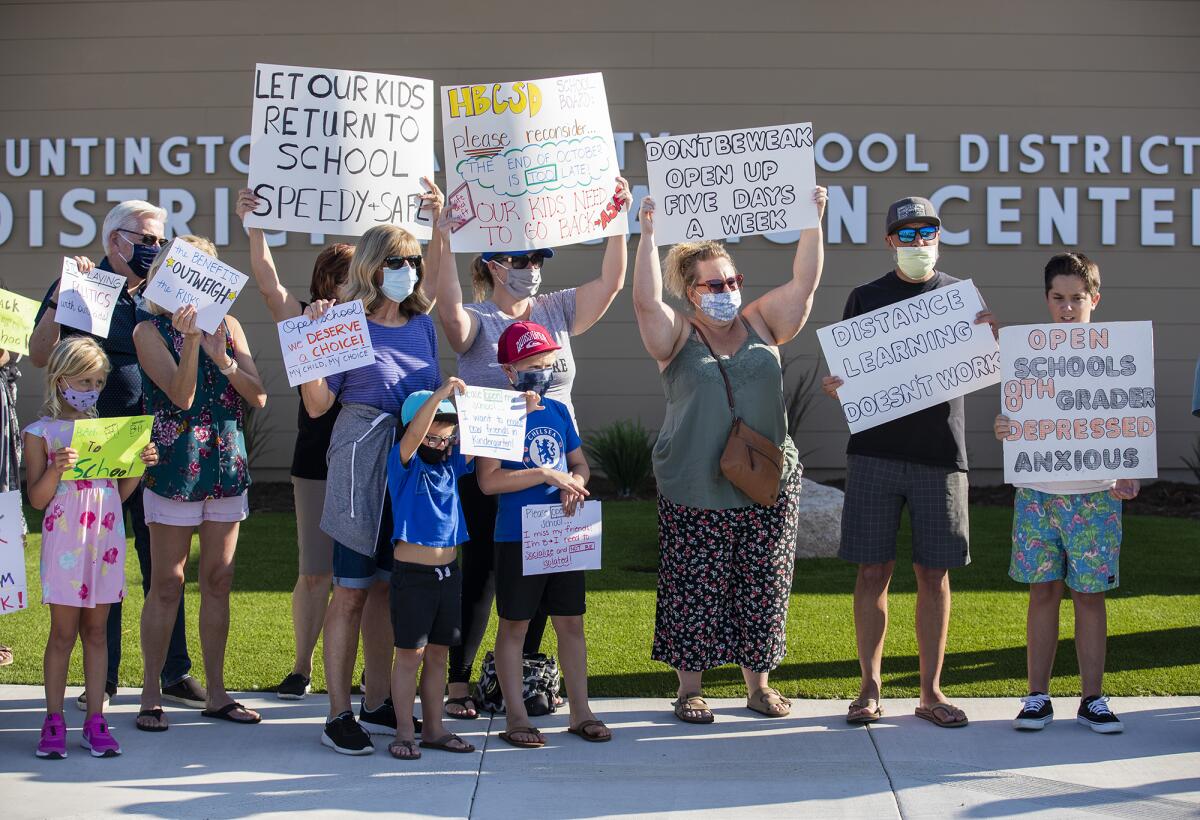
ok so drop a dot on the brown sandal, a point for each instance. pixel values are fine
(767, 697)
(692, 702)
(862, 712)
(945, 715)
(443, 744)
(508, 737)
(582, 731)
(409, 746)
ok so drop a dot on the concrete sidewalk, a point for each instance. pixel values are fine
(811, 763)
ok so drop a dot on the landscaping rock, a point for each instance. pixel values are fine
(820, 530)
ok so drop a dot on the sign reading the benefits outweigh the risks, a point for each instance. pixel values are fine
(530, 164)
(16, 321)
(337, 342)
(732, 183)
(109, 448)
(910, 355)
(13, 594)
(189, 276)
(552, 541)
(491, 423)
(86, 299)
(340, 151)
(1080, 402)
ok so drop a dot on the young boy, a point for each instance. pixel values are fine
(1068, 531)
(426, 595)
(553, 470)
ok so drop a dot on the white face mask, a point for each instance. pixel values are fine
(399, 283)
(916, 263)
(723, 306)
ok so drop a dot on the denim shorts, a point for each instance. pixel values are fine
(357, 571)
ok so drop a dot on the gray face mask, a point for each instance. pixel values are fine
(522, 282)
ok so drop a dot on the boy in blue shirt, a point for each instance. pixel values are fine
(426, 593)
(553, 470)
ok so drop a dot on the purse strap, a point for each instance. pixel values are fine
(720, 366)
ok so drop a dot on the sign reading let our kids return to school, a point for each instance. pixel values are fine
(1080, 401)
(530, 164)
(910, 355)
(189, 276)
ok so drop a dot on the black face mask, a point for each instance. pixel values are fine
(432, 455)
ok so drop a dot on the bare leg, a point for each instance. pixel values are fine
(1091, 637)
(93, 633)
(169, 547)
(870, 624)
(342, 620)
(933, 622)
(433, 684)
(510, 642)
(404, 690)
(310, 598)
(572, 654)
(218, 542)
(1041, 633)
(64, 629)
(378, 644)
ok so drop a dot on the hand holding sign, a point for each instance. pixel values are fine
(555, 541)
(327, 339)
(87, 296)
(491, 423)
(111, 448)
(189, 276)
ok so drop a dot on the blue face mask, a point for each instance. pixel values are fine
(538, 381)
(399, 283)
(141, 259)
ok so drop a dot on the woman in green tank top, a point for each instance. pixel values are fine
(725, 569)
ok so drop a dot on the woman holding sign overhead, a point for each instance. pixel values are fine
(195, 385)
(727, 525)
(507, 285)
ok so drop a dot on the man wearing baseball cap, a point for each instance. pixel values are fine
(552, 470)
(920, 461)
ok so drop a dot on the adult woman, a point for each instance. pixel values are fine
(310, 596)
(389, 275)
(725, 563)
(194, 385)
(506, 286)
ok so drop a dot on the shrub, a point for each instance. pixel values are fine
(622, 451)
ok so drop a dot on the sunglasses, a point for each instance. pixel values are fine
(441, 441)
(395, 262)
(524, 261)
(148, 239)
(720, 285)
(926, 232)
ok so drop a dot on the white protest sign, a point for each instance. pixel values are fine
(732, 183)
(491, 423)
(86, 300)
(13, 594)
(552, 541)
(189, 276)
(340, 152)
(530, 164)
(910, 355)
(1080, 401)
(337, 342)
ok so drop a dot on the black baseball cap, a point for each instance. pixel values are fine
(911, 209)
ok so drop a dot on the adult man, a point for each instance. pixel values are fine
(919, 460)
(132, 235)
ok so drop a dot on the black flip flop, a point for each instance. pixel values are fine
(463, 703)
(157, 714)
(225, 712)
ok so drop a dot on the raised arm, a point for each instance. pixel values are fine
(785, 309)
(47, 331)
(418, 428)
(459, 324)
(593, 299)
(660, 325)
(280, 303)
(176, 379)
(434, 200)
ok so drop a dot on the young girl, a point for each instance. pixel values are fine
(83, 541)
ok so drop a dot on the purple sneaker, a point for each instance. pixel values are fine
(53, 745)
(98, 739)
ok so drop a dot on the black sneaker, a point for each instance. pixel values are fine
(346, 737)
(1036, 712)
(382, 721)
(1094, 712)
(110, 692)
(294, 687)
(187, 692)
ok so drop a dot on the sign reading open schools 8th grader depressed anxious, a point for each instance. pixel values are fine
(530, 164)
(1080, 401)
(910, 355)
(340, 151)
(732, 183)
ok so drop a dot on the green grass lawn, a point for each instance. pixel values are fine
(1154, 618)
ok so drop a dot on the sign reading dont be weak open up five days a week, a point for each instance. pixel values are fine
(340, 152)
(530, 164)
(1080, 401)
(189, 276)
(337, 342)
(910, 355)
(732, 183)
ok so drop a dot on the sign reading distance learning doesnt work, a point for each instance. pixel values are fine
(530, 164)
(340, 151)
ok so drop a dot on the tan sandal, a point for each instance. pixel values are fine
(945, 715)
(864, 710)
(764, 699)
(692, 702)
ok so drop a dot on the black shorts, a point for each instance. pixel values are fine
(518, 596)
(426, 604)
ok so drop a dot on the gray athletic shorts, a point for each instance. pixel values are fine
(877, 490)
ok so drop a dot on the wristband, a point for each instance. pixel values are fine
(227, 371)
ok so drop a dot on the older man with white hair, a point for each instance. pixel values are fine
(133, 233)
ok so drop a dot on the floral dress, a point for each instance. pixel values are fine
(201, 450)
(83, 533)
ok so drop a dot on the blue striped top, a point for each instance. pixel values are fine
(406, 360)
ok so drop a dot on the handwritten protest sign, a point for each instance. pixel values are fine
(552, 541)
(491, 423)
(189, 276)
(13, 594)
(109, 448)
(337, 342)
(336, 151)
(910, 355)
(732, 183)
(16, 321)
(86, 300)
(1080, 401)
(530, 164)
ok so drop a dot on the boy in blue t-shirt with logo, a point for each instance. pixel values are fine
(553, 470)
(426, 594)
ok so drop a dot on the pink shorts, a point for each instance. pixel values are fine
(161, 510)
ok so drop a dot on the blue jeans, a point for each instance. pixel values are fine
(178, 663)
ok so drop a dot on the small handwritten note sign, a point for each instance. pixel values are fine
(86, 299)
(491, 423)
(552, 541)
(109, 448)
(335, 343)
(13, 595)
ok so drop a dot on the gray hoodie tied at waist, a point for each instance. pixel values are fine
(357, 483)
